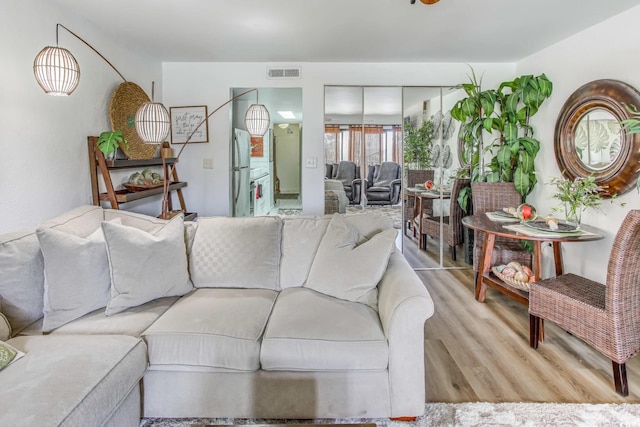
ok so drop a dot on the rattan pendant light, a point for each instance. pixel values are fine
(153, 121)
(56, 71)
(257, 119)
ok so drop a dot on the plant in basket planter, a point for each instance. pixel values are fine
(109, 141)
(577, 196)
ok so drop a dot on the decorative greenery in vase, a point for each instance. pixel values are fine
(577, 196)
(109, 141)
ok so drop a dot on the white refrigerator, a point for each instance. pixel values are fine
(241, 173)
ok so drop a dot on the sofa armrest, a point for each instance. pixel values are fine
(404, 305)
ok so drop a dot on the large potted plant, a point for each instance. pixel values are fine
(514, 152)
(507, 112)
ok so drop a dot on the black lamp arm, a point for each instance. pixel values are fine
(91, 47)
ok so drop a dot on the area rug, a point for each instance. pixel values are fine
(394, 213)
(479, 414)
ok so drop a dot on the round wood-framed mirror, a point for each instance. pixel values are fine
(589, 139)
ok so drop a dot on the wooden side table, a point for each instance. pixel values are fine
(492, 229)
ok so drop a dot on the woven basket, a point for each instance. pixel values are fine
(511, 281)
(126, 100)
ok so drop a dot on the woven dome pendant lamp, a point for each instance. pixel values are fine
(153, 121)
(57, 71)
(257, 119)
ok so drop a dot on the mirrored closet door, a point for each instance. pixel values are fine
(395, 152)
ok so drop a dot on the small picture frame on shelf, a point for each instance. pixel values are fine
(184, 120)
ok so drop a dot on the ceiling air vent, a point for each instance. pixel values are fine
(283, 73)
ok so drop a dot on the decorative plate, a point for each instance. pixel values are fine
(563, 226)
(504, 214)
(448, 126)
(447, 160)
(435, 155)
(126, 100)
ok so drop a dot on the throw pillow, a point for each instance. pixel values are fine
(76, 271)
(8, 355)
(346, 270)
(146, 266)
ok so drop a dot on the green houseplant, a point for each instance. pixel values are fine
(514, 152)
(109, 141)
(418, 142)
(507, 111)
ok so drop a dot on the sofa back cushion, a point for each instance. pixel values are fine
(236, 253)
(81, 221)
(300, 239)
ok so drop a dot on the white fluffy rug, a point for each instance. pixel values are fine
(467, 415)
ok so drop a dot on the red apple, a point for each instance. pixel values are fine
(526, 212)
(428, 185)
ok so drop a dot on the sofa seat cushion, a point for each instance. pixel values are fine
(310, 331)
(133, 321)
(212, 327)
(39, 390)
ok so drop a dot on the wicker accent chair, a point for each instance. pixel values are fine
(416, 176)
(451, 225)
(489, 197)
(606, 317)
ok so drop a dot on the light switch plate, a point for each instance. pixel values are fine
(207, 163)
(311, 162)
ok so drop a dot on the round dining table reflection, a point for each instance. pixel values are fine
(421, 196)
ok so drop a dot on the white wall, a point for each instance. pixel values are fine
(210, 84)
(44, 169)
(607, 50)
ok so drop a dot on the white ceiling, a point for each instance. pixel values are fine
(342, 30)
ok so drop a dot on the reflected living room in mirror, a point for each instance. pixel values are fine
(381, 145)
(363, 149)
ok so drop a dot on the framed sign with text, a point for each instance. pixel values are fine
(184, 120)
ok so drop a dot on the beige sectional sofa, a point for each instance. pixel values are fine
(121, 315)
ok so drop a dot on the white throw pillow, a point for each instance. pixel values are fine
(146, 266)
(346, 270)
(76, 270)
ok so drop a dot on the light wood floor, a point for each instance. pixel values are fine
(480, 351)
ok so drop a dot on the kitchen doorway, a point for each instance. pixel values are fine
(257, 179)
